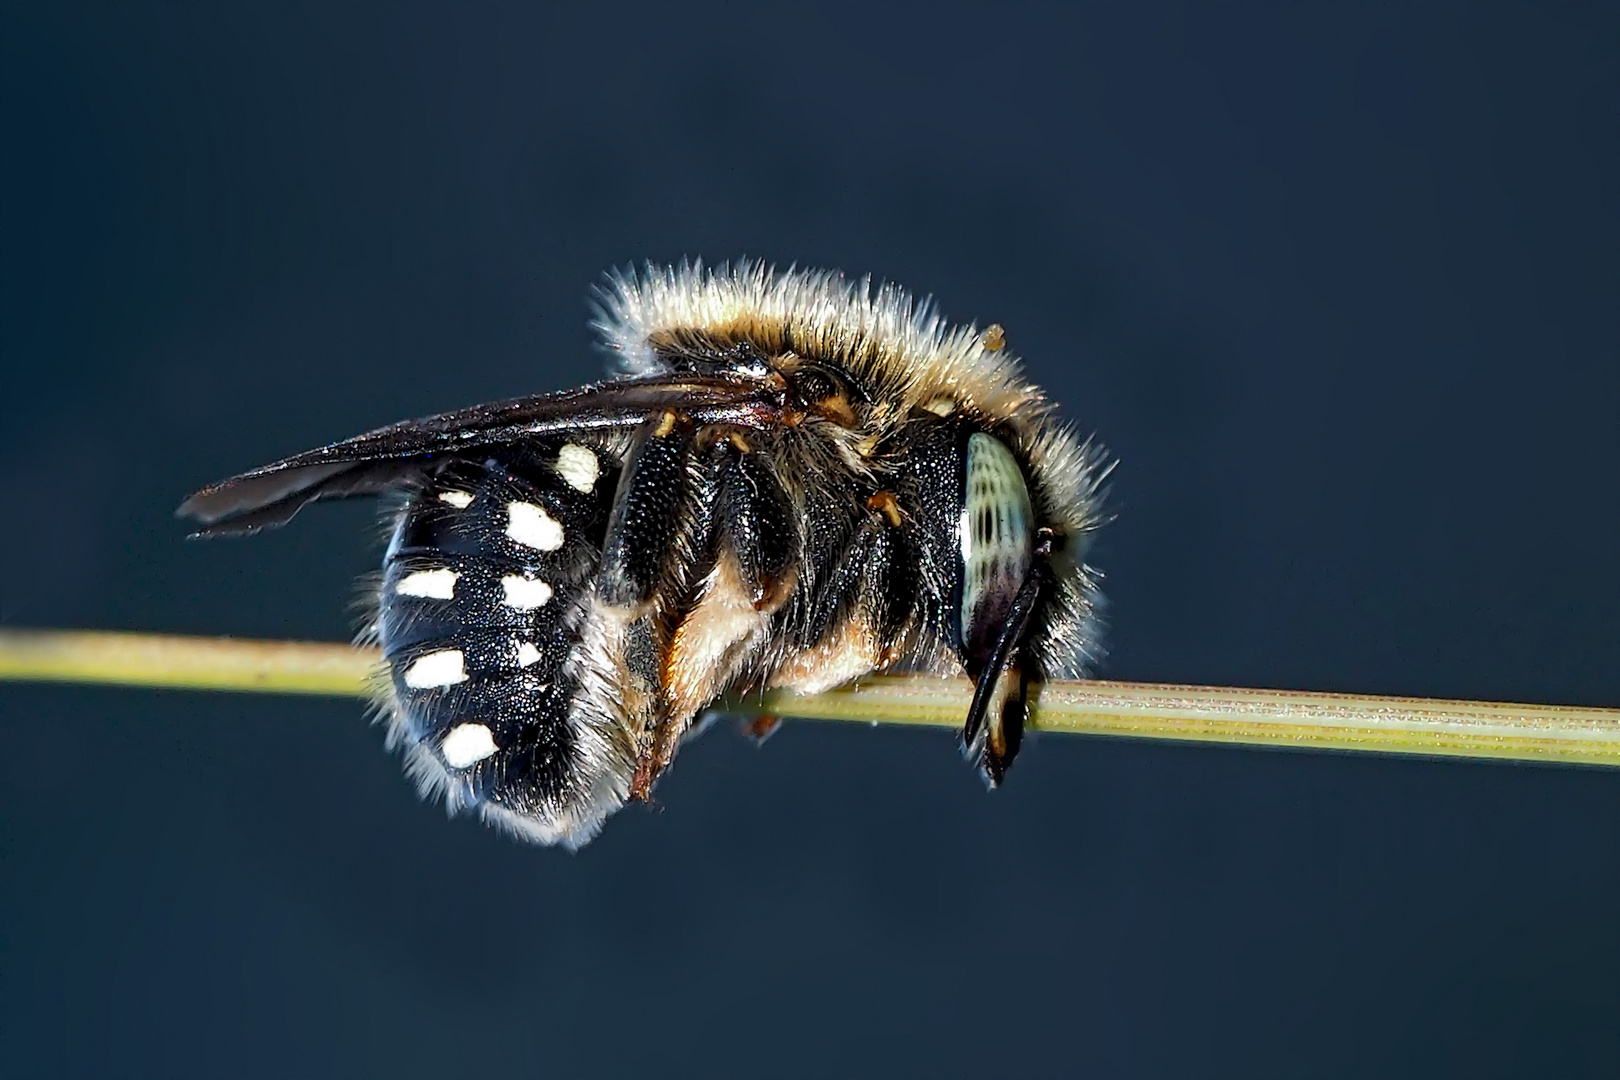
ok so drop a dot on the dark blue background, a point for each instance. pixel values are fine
(1338, 285)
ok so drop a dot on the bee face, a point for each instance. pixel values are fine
(792, 481)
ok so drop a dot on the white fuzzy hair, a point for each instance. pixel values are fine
(898, 345)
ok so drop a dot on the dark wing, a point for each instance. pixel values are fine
(378, 460)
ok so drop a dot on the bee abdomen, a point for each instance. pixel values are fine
(477, 618)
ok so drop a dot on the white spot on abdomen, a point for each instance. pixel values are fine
(525, 594)
(458, 499)
(439, 584)
(531, 526)
(467, 744)
(527, 654)
(443, 668)
(577, 465)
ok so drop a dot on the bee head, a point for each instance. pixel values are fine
(1004, 511)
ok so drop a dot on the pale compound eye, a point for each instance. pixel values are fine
(998, 529)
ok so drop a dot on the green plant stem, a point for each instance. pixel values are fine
(1285, 718)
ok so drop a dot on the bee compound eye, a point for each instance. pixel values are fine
(997, 534)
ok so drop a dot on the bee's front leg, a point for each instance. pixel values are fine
(855, 623)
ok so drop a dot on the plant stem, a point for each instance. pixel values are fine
(1284, 718)
(184, 663)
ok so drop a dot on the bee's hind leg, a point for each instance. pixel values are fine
(641, 554)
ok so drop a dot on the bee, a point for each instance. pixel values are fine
(790, 480)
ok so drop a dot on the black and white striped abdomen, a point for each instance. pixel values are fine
(486, 573)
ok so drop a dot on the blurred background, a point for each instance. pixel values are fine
(1336, 283)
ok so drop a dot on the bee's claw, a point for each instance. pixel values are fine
(760, 727)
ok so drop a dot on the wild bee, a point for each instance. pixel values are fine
(791, 480)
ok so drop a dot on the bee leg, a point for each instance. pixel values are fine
(872, 578)
(750, 548)
(841, 591)
(755, 522)
(855, 622)
(639, 548)
(653, 760)
(640, 554)
(891, 576)
(760, 727)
